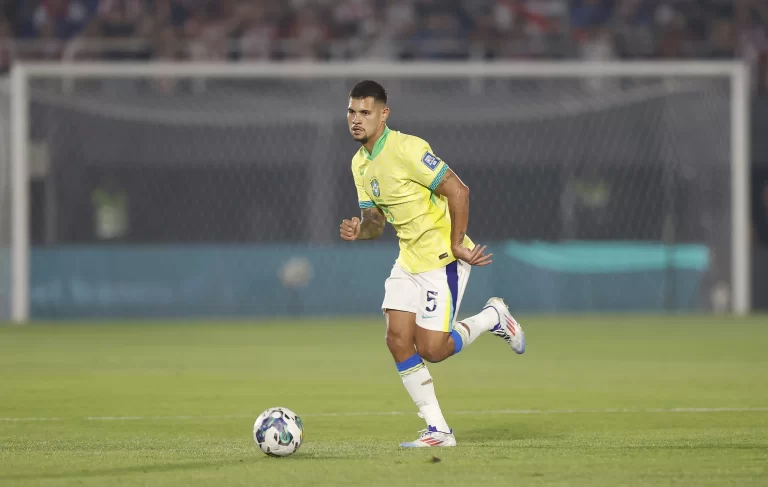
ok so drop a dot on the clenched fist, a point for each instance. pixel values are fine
(350, 229)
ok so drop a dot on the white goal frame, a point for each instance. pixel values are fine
(736, 72)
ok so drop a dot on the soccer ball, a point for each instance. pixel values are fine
(278, 432)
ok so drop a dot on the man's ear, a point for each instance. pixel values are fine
(385, 114)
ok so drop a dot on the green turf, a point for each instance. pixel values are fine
(188, 395)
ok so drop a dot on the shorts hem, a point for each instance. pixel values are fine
(396, 308)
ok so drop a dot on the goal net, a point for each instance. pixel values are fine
(215, 190)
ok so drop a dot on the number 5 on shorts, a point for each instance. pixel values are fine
(431, 301)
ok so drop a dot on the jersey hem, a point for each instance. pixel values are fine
(420, 270)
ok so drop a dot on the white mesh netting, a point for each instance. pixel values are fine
(143, 161)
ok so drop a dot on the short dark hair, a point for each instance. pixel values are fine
(367, 88)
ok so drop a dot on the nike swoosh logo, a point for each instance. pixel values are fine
(426, 317)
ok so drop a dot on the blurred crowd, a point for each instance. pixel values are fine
(382, 29)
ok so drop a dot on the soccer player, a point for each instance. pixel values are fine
(400, 180)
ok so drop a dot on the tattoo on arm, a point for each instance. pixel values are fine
(457, 194)
(457, 227)
(447, 177)
(372, 225)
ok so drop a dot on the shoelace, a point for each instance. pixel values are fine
(501, 333)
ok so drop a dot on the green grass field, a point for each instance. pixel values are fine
(595, 401)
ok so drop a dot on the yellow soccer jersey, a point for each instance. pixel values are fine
(399, 177)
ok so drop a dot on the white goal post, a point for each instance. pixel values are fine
(735, 73)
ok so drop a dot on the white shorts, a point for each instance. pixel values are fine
(434, 296)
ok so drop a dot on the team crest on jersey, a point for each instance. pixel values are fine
(430, 160)
(375, 187)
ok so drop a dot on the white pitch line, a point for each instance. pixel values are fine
(31, 419)
(402, 413)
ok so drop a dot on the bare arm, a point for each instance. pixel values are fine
(371, 226)
(457, 194)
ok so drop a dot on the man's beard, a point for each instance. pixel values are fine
(362, 141)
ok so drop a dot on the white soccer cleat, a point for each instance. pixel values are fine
(507, 327)
(431, 438)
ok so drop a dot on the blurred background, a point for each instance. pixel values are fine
(190, 196)
(319, 30)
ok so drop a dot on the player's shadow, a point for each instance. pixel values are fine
(519, 431)
(107, 472)
(469, 437)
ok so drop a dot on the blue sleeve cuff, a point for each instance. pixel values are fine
(366, 204)
(439, 177)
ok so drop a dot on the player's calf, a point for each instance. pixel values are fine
(412, 369)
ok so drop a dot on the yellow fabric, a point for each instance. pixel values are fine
(399, 178)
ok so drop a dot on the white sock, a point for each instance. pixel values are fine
(418, 382)
(481, 322)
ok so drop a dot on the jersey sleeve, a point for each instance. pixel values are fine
(363, 200)
(422, 165)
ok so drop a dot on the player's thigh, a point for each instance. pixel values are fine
(401, 301)
(440, 294)
(401, 291)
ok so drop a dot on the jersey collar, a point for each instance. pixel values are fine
(378, 146)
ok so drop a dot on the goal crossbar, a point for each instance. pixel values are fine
(526, 69)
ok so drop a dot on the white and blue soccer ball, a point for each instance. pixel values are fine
(278, 432)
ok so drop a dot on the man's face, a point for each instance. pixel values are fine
(365, 116)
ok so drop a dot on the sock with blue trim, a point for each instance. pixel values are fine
(459, 335)
(419, 384)
(469, 329)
